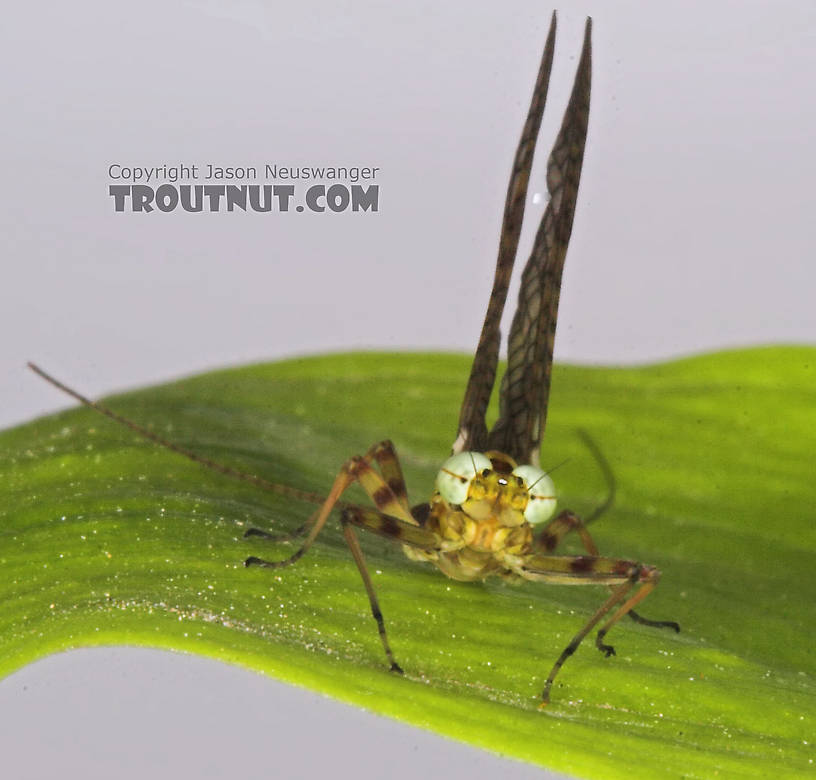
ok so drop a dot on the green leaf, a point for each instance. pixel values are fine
(109, 539)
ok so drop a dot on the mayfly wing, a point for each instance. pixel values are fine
(472, 433)
(525, 387)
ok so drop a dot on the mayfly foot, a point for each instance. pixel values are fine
(258, 532)
(607, 650)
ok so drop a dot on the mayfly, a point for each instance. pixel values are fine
(491, 493)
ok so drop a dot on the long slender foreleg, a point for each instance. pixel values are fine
(619, 575)
(387, 491)
(618, 594)
(554, 532)
(357, 553)
(348, 474)
(356, 469)
(649, 577)
(372, 520)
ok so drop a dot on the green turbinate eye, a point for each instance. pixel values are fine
(453, 479)
(542, 502)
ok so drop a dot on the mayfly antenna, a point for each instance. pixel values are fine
(274, 487)
(606, 471)
(605, 505)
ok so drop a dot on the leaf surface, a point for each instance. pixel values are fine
(107, 539)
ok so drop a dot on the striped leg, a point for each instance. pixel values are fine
(395, 521)
(407, 533)
(386, 457)
(620, 576)
(566, 521)
(551, 536)
(355, 469)
(392, 518)
(618, 594)
(359, 559)
(648, 576)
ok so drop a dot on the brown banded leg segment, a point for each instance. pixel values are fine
(619, 575)
(391, 470)
(566, 521)
(372, 520)
(355, 469)
(574, 569)
(618, 595)
(391, 527)
(551, 536)
(648, 576)
(378, 486)
(357, 553)
(348, 475)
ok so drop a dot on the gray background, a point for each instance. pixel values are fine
(694, 231)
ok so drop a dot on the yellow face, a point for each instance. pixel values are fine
(503, 496)
(491, 485)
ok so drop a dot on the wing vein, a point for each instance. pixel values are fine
(472, 433)
(525, 387)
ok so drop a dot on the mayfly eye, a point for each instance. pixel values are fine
(541, 505)
(453, 479)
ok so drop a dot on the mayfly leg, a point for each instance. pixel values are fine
(556, 529)
(355, 469)
(372, 520)
(386, 457)
(620, 576)
(392, 518)
(288, 537)
(359, 559)
(648, 578)
(379, 523)
(617, 596)
(554, 532)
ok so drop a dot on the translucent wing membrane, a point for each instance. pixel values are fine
(526, 384)
(472, 428)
